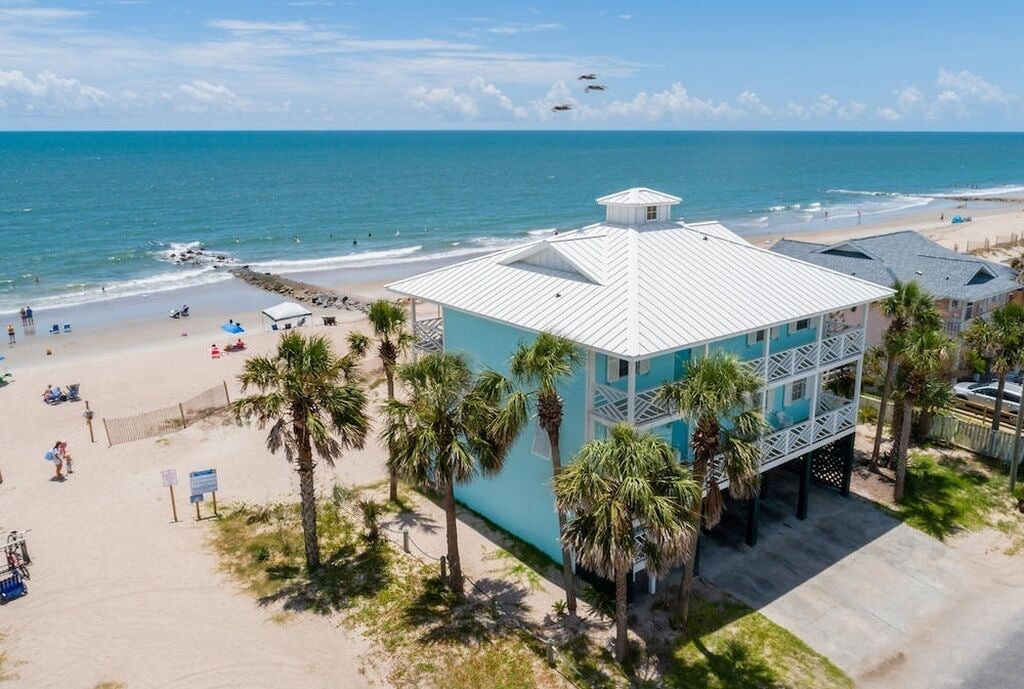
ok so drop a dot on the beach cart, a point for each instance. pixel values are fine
(15, 567)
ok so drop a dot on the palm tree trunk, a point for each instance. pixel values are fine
(389, 374)
(883, 407)
(452, 534)
(307, 495)
(997, 413)
(686, 589)
(902, 452)
(568, 579)
(621, 638)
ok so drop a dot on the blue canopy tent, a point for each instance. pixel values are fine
(233, 328)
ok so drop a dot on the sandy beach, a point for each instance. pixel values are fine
(119, 592)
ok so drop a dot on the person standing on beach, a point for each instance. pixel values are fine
(28, 315)
(24, 319)
(65, 456)
(54, 456)
(858, 217)
(10, 333)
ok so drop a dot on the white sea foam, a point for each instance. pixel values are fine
(775, 209)
(355, 260)
(543, 232)
(79, 293)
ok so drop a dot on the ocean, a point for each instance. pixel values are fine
(96, 216)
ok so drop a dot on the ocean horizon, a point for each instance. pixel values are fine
(88, 216)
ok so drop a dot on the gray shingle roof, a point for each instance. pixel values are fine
(908, 256)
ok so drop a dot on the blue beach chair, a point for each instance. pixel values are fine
(12, 587)
(55, 330)
(73, 392)
(67, 327)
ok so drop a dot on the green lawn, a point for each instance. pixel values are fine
(730, 646)
(947, 494)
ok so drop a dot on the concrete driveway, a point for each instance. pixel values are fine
(888, 604)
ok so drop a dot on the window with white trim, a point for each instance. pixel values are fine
(756, 337)
(643, 367)
(617, 369)
(802, 324)
(652, 212)
(795, 391)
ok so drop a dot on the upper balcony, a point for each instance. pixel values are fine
(612, 404)
(429, 334)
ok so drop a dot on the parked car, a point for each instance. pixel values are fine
(984, 394)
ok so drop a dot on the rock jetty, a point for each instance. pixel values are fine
(302, 292)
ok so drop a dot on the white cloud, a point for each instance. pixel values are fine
(245, 26)
(965, 83)
(752, 102)
(492, 92)
(49, 90)
(674, 103)
(445, 100)
(827, 107)
(625, 17)
(203, 96)
(511, 29)
(39, 14)
(888, 114)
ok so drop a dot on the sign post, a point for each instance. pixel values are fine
(88, 421)
(170, 479)
(200, 483)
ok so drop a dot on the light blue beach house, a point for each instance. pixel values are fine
(643, 295)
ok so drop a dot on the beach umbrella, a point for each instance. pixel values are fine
(233, 328)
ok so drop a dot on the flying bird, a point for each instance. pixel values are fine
(561, 108)
(594, 87)
(586, 77)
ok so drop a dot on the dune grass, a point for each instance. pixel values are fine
(949, 494)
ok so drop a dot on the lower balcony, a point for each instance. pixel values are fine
(429, 334)
(834, 417)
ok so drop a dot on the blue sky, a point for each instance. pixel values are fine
(309, 64)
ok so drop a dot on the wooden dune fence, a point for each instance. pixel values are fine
(126, 429)
(974, 437)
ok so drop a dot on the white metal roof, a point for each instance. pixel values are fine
(638, 196)
(286, 310)
(636, 292)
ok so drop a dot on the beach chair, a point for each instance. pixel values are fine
(302, 322)
(55, 396)
(73, 392)
(184, 311)
(12, 587)
(330, 320)
(287, 326)
(273, 326)
(55, 330)
(67, 327)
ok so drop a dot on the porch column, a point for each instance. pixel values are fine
(631, 393)
(753, 519)
(805, 485)
(588, 419)
(652, 584)
(415, 335)
(847, 449)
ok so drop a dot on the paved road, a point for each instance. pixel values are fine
(891, 606)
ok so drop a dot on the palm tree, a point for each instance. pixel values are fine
(387, 320)
(998, 339)
(630, 498)
(314, 403)
(924, 350)
(541, 365)
(908, 306)
(453, 426)
(716, 389)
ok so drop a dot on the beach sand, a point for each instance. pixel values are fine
(119, 593)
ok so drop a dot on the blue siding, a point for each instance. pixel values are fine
(519, 499)
(784, 339)
(799, 410)
(662, 369)
(739, 347)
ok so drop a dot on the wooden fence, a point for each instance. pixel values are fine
(125, 429)
(969, 435)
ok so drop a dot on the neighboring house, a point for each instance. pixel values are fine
(964, 286)
(643, 295)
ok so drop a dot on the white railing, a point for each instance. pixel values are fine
(952, 327)
(835, 415)
(612, 404)
(429, 334)
(793, 362)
